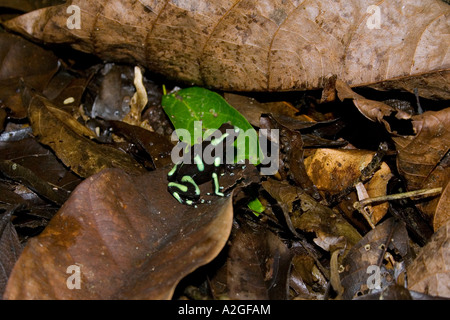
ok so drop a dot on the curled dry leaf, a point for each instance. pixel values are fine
(371, 109)
(58, 130)
(423, 159)
(422, 155)
(333, 170)
(430, 271)
(329, 227)
(28, 178)
(418, 155)
(252, 109)
(261, 45)
(129, 239)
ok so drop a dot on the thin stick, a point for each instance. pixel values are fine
(411, 194)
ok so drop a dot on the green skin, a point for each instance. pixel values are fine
(185, 178)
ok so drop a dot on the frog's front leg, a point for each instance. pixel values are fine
(216, 185)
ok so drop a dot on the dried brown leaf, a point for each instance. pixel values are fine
(29, 5)
(130, 240)
(371, 109)
(260, 45)
(158, 147)
(82, 155)
(32, 155)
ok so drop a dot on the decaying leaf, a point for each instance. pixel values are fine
(41, 161)
(22, 59)
(312, 216)
(271, 45)
(10, 248)
(258, 264)
(291, 155)
(128, 239)
(252, 110)
(306, 280)
(430, 271)
(442, 214)
(158, 147)
(372, 110)
(332, 170)
(421, 153)
(66, 90)
(82, 155)
(138, 102)
(364, 262)
(27, 177)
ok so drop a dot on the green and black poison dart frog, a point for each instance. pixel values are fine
(185, 177)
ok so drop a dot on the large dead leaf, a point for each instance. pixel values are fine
(129, 239)
(262, 45)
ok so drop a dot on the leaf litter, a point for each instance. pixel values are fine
(83, 183)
